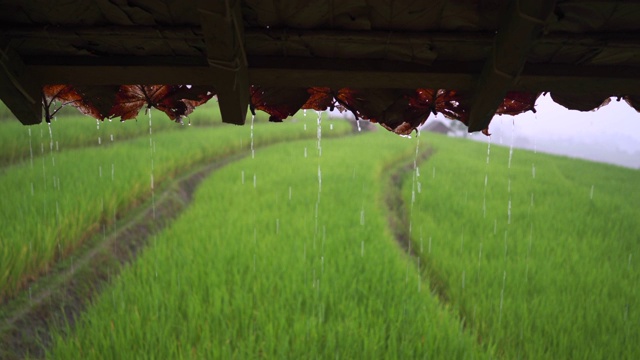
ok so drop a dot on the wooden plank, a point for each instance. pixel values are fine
(286, 72)
(521, 26)
(222, 28)
(256, 36)
(344, 73)
(17, 90)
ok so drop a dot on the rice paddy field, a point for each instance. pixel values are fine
(322, 243)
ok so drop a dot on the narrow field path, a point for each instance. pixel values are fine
(63, 294)
(399, 220)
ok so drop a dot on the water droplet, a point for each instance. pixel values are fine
(253, 153)
(533, 171)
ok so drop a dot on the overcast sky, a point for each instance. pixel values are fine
(610, 134)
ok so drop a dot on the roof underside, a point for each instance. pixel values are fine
(392, 62)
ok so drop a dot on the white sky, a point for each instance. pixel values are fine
(610, 134)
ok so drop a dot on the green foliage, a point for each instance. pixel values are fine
(558, 278)
(277, 270)
(51, 203)
(74, 130)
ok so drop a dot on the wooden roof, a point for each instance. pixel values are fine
(582, 51)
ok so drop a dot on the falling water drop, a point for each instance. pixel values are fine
(591, 193)
(254, 181)
(30, 148)
(362, 217)
(358, 124)
(242, 176)
(253, 152)
(319, 133)
(486, 178)
(506, 247)
(526, 272)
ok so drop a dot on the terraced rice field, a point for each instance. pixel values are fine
(362, 246)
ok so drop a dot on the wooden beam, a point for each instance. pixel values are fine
(222, 27)
(18, 91)
(264, 71)
(336, 73)
(521, 26)
(256, 36)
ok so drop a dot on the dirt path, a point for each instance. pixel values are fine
(398, 219)
(59, 297)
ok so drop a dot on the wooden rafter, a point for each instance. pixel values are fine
(336, 73)
(17, 90)
(222, 28)
(521, 26)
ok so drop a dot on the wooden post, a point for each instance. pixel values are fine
(21, 95)
(521, 26)
(223, 31)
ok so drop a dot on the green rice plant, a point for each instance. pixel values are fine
(73, 130)
(287, 255)
(542, 260)
(51, 204)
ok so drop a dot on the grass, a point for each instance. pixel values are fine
(52, 203)
(277, 268)
(541, 261)
(74, 130)
(520, 255)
